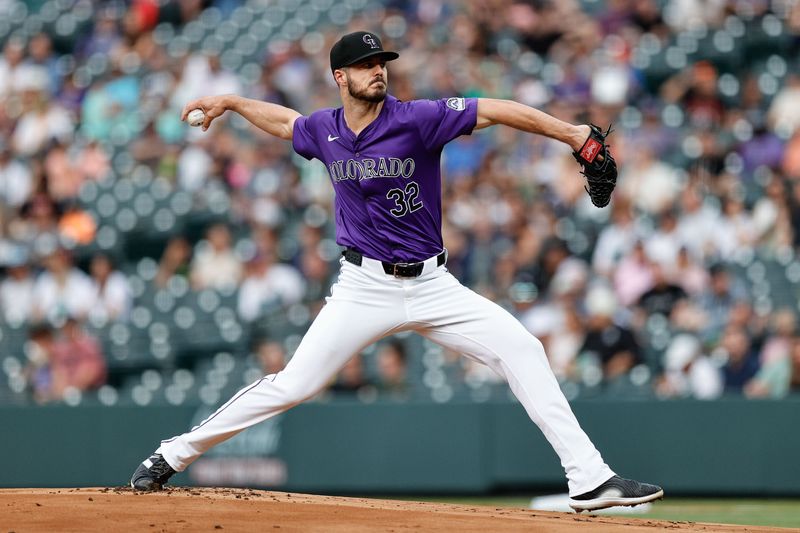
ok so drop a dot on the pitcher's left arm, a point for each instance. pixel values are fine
(587, 141)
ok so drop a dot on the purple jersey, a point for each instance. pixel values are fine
(387, 179)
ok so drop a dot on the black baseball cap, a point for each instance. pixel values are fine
(357, 46)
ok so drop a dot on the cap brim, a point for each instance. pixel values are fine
(388, 56)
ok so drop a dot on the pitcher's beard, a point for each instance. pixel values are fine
(368, 95)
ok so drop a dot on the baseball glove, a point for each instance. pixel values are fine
(599, 166)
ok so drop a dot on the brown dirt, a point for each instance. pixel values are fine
(226, 510)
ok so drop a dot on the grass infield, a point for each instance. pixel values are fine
(753, 512)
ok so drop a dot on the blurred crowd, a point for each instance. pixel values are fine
(654, 289)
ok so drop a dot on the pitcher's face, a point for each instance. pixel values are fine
(367, 80)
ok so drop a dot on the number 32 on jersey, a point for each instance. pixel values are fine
(405, 199)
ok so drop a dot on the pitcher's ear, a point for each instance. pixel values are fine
(339, 77)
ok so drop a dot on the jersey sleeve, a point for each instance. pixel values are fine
(303, 138)
(441, 121)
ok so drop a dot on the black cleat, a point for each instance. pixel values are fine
(616, 491)
(152, 474)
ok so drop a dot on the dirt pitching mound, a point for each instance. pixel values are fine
(195, 509)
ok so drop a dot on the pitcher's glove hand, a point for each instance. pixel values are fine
(599, 166)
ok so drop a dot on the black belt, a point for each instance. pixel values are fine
(398, 270)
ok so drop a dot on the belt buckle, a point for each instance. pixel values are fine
(396, 273)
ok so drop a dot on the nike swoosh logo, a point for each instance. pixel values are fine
(331, 138)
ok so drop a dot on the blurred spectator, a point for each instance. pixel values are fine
(634, 275)
(352, 378)
(554, 322)
(38, 218)
(687, 372)
(775, 372)
(215, 265)
(484, 247)
(39, 353)
(73, 361)
(742, 360)
(79, 356)
(11, 66)
(139, 19)
(613, 345)
(195, 162)
(105, 36)
(16, 291)
(735, 230)
(312, 265)
(615, 240)
(536, 315)
(41, 55)
(697, 224)
(16, 180)
(316, 274)
(688, 316)
(42, 120)
(203, 75)
(794, 382)
(111, 105)
(392, 362)
(559, 270)
(271, 357)
(149, 148)
(695, 90)
(649, 184)
(664, 243)
(689, 273)
(62, 290)
(71, 95)
(268, 284)
(790, 166)
(662, 297)
(158, 81)
(772, 219)
(92, 161)
(174, 261)
(112, 292)
(784, 115)
(570, 279)
(742, 316)
(764, 148)
(721, 295)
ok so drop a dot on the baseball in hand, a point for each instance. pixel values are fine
(195, 117)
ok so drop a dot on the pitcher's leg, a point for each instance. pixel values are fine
(466, 322)
(255, 403)
(353, 318)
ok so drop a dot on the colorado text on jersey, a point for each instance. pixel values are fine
(383, 167)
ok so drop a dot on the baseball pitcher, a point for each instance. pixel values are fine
(383, 157)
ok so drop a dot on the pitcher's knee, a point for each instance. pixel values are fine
(297, 392)
(520, 339)
(525, 345)
(535, 345)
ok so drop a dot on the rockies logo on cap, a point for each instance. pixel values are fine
(358, 46)
(370, 40)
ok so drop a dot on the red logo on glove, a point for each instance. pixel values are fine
(590, 150)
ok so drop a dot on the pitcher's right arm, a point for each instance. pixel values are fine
(274, 119)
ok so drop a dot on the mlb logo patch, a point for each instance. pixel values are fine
(456, 104)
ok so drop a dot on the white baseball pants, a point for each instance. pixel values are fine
(365, 305)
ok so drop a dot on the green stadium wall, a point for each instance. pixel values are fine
(728, 447)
